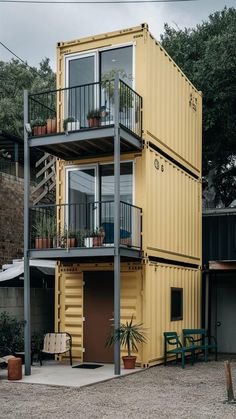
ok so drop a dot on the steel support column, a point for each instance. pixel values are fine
(207, 301)
(117, 225)
(16, 158)
(27, 334)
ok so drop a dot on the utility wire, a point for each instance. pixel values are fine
(24, 62)
(93, 1)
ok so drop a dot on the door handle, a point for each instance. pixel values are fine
(218, 324)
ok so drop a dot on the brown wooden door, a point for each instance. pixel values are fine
(98, 310)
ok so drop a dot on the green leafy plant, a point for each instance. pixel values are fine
(38, 122)
(11, 332)
(67, 120)
(94, 113)
(129, 335)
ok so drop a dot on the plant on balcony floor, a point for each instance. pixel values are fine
(38, 126)
(129, 335)
(40, 233)
(51, 125)
(71, 124)
(94, 118)
(68, 239)
(98, 236)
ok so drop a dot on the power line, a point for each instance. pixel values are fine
(93, 1)
(24, 62)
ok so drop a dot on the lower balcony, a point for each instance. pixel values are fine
(84, 230)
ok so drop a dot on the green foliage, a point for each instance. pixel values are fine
(67, 120)
(38, 122)
(14, 78)
(129, 335)
(11, 332)
(207, 55)
(94, 113)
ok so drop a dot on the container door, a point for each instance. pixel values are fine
(226, 316)
(98, 313)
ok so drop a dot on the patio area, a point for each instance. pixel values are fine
(62, 374)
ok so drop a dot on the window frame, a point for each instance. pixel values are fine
(176, 318)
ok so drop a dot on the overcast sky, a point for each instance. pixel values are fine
(32, 31)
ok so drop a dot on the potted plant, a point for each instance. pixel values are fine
(68, 238)
(51, 125)
(98, 236)
(71, 124)
(129, 335)
(40, 229)
(126, 93)
(94, 118)
(38, 126)
(88, 238)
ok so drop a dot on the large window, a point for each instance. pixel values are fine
(176, 304)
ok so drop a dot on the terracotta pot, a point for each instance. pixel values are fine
(45, 242)
(51, 125)
(129, 362)
(71, 242)
(49, 243)
(38, 243)
(39, 130)
(94, 122)
(97, 241)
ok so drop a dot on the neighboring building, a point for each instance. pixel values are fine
(219, 285)
(135, 174)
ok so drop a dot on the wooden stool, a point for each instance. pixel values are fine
(15, 369)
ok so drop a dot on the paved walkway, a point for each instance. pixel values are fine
(159, 392)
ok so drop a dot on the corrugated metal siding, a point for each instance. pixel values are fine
(157, 293)
(171, 211)
(70, 308)
(219, 237)
(130, 300)
(172, 108)
(69, 299)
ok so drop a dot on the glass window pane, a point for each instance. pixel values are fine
(81, 194)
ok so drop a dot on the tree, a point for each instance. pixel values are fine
(14, 78)
(207, 55)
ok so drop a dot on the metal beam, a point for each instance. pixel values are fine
(207, 301)
(117, 224)
(27, 334)
(90, 134)
(131, 139)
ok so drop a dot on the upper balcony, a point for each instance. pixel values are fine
(79, 121)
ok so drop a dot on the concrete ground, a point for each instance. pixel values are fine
(160, 392)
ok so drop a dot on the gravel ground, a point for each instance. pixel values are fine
(159, 392)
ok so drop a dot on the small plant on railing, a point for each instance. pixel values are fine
(38, 126)
(71, 124)
(94, 118)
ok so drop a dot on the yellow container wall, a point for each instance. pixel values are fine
(171, 211)
(171, 105)
(157, 309)
(69, 300)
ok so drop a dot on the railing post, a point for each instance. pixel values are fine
(117, 224)
(27, 337)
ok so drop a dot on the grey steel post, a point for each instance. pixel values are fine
(207, 301)
(16, 158)
(117, 223)
(27, 336)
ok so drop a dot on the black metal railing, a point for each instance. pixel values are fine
(83, 107)
(83, 225)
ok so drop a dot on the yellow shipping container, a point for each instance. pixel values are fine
(172, 106)
(145, 296)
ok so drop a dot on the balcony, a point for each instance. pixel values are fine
(79, 121)
(83, 230)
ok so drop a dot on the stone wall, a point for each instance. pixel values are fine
(11, 218)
